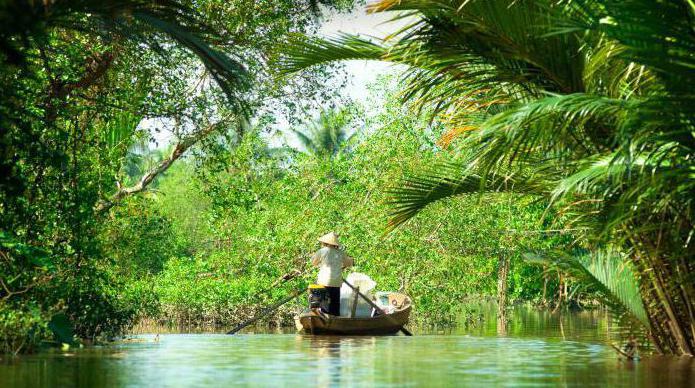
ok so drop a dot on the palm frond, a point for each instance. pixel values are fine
(302, 52)
(513, 136)
(628, 190)
(119, 130)
(658, 34)
(607, 272)
(557, 124)
(306, 140)
(228, 72)
(327, 135)
(412, 194)
(462, 54)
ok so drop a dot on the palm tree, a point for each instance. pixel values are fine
(141, 158)
(327, 136)
(586, 104)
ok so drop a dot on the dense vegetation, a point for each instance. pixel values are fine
(585, 104)
(76, 80)
(536, 141)
(264, 210)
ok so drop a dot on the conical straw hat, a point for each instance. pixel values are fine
(330, 239)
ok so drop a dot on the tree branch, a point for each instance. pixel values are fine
(10, 293)
(95, 69)
(179, 149)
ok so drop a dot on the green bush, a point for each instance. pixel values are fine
(97, 307)
(22, 327)
(204, 291)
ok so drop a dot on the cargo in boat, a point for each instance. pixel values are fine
(397, 315)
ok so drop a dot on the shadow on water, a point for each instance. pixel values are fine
(537, 350)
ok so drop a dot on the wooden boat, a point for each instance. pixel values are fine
(313, 323)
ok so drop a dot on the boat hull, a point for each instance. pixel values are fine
(381, 325)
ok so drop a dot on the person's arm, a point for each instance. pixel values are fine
(315, 259)
(348, 261)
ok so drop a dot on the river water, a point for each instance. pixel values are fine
(538, 349)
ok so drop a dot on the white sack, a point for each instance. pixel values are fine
(347, 296)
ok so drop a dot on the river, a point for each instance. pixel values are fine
(539, 349)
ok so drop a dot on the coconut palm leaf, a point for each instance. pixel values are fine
(303, 51)
(607, 272)
(415, 192)
(658, 35)
(119, 130)
(513, 137)
(626, 191)
(552, 125)
(454, 51)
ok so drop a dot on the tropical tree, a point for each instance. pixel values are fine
(585, 104)
(328, 135)
(66, 81)
(26, 33)
(26, 24)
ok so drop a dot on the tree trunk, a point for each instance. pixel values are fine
(560, 286)
(664, 285)
(502, 272)
(544, 300)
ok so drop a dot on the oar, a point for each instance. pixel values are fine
(284, 278)
(379, 309)
(267, 311)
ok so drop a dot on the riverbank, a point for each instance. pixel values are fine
(476, 313)
(524, 320)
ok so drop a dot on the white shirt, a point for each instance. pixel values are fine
(331, 262)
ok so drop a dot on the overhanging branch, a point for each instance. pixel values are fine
(179, 149)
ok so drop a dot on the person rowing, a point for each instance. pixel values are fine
(331, 260)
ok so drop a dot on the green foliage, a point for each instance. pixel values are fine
(139, 294)
(573, 114)
(266, 215)
(209, 291)
(96, 306)
(77, 80)
(180, 201)
(141, 240)
(133, 19)
(23, 270)
(22, 328)
(584, 104)
(608, 273)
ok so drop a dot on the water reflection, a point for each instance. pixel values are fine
(538, 350)
(333, 356)
(529, 322)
